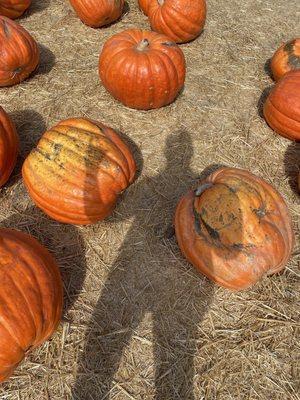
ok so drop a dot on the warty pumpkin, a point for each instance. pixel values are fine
(77, 171)
(142, 69)
(97, 13)
(30, 297)
(285, 59)
(9, 146)
(234, 228)
(181, 20)
(282, 106)
(19, 53)
(13, 8)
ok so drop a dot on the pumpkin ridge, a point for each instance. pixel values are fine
(188, 22)
(160, 18)
(170, 81)
(280, 112)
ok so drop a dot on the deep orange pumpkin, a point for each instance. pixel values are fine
(30, 297)
(142, 69)
(19, 53)
(282, 107)
(9, 146)
(96, 13)
(286, 58)
(77, 171)
(181, 20)
(13, 8)
(234, 228)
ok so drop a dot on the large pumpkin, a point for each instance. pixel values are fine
(286, 58)
(13, 8)
(282, 107)
(96, 13)
(9, 146)
(19, 53)
(77, 171)
(234, 228)
(142, 69)
(180, 20)
(30, 297)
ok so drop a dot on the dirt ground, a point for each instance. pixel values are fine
(139, 322)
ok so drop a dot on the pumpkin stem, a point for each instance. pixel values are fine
(161, 2)
(143, 45)
(202, 188)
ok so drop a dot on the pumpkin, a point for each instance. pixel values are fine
(96, 13)
(13, 8)
(19, 53)
(77, 171)
(9, 146)
(142, 69)
(31, 297)
(282, 106)
(181, 20)
(234, 228)
(285, 59)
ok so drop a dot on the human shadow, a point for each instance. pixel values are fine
(292, 165)
(47, 60)
(149, 275)
(63, 241)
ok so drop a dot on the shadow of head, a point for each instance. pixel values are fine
(63, 241)
(262, 99)
(292, 165)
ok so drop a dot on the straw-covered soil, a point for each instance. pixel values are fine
(139, 322)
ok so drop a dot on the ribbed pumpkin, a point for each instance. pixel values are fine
(13, 8)
(282, 107)
(286, 58)
(142, 69)
(181, 20)
(19, 53)
(30, 297)
(96, 13)
(234, 228)
(9, 146)
(77, 171)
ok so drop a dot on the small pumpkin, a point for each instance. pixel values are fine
(13, 8)
(9, 146)
(142, 69)
(234, 228)
(282, 107)
(77, 171)
(181, 20)
(97, 13)
(19, 53)
(286, 58)
(30, 297)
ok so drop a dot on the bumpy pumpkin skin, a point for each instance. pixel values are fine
(9, 146)
(181, 20)
(97, 13)
(30, 297)
(285, 59)
(19, 53)
(77, 171)
(282, 107)
(13, 8)
(234, 228)
(142, 69)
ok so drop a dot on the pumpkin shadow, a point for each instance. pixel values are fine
(267, 67)
(63, 241)
(47, 60)
(36, 6)
(292, 165)
(149, 279)
(262, 99)
(30, 126)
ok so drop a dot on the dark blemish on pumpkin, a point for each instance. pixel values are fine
(289, 47)
(18, 70)
(197, 222)
(6, 29)
(260, 212)
(202, 188)
(213, 233)
(169, 44)
(293, 60)
(57, 149)
(47, 156)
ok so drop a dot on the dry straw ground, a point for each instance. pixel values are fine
(139, 323)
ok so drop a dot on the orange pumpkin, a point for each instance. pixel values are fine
(30, 297)
(234, 228)
(13, 8)
(282, 107)
(142, 69)
(9, 146)
(19, 53)
(286, 58)
(96, 13)
(77, 171)
(181, 20)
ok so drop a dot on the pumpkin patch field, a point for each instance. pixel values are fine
(157, 186)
